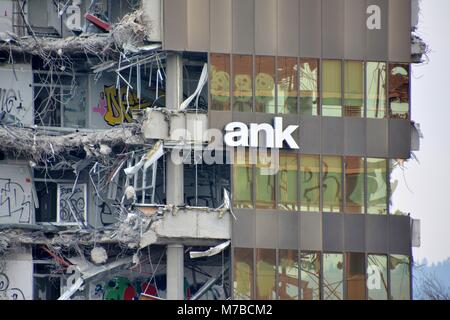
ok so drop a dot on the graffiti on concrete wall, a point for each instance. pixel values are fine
(115, 106)
(71, 205)
(15, 204)
(16, 92)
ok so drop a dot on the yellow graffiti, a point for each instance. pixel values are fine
(119, 108)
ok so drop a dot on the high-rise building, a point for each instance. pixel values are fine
(207, 149)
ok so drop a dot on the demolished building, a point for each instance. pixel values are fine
(98, 98)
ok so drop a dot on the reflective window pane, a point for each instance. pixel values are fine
(333, 276)
(396, 175)
(355, 275)
(309, 183)
(331, 88)
(376, 186)
(377, 277)
(219, 84)
(354, 89)
(265, 181)
(400, 277)
(287, 181)
(287, 85)
(332, 183)
(265, 274)
(243, 274)
(288, 273)
(399, 91)
(309, 87)
(310, 275)
(265, 84)
(242, 83)
(354, 185)
(376, 89)
(242, 180)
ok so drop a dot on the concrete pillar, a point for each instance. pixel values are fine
(174, 180)
(175, 272)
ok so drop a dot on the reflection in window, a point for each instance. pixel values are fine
(310, 275)
(331, 88)
(309, 183)
(265, 84)
(376, 89)
(399, 91)
(355, 275)
(265, 181)
(220, 81)
(354, 185)
(400, 277)
(242, 83)
(354, 89)
(396, 174)
(287, 71)
(332, 183)
(377, 277)
(376, 186)
(333, 266)
(243, 274)
(266, 263)
(288, 272)
(287, 180)
(242, 180)
(309, 87)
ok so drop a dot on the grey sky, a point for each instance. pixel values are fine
(427, 181)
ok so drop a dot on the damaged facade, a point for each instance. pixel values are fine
(98, 97)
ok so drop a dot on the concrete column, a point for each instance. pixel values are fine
(175, 272)
(174, 180)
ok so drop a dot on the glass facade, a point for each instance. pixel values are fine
(288, 275)
(354, 89)
(313, 275)
(287, 85)
(242, 83)
(332, 88)
(309, 87)
(287, 181)
(220, 82)
(333, 276)
(265, 84)
(399, 91)
(354, 185)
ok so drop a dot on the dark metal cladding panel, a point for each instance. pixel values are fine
(310, 135)
(333, 232)
(288, 28)
(400, 235)
(288, 230)
(354, 232)
(311, 231)
(355, 136)
(221, 26)
(333, 16)
(175, 25)
(243, 229)
(198, 25)
(266, 229)
(399, 139)
(243, 26)
(377, 138)
(355, 29)
(400, 30)
(333, 130)
(377, 233)
(265, 27)
(377, 39)
(310, 28)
